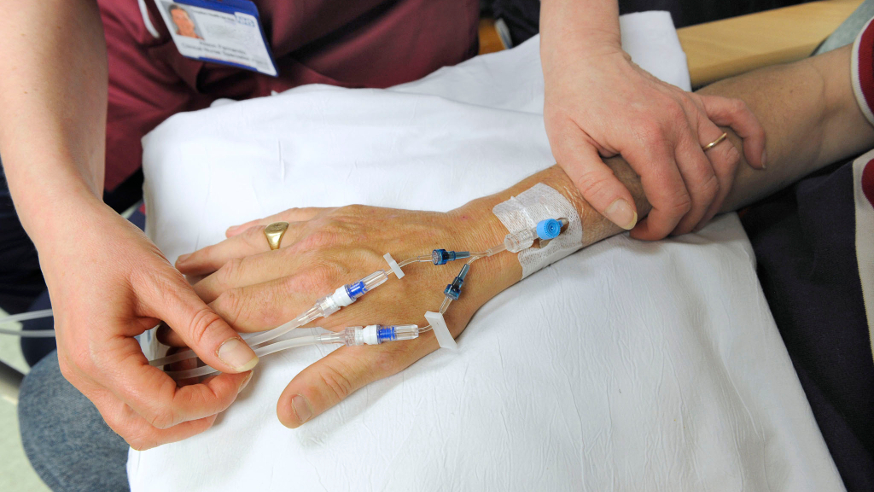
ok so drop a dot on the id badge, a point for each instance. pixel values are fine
(219, 31)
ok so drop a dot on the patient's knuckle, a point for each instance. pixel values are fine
(229, 273)
(254, 236)
(230, 303)
(318, 239)
(320, 278)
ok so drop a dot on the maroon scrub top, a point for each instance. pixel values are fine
(347, 43)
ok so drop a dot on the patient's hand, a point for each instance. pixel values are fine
(256, 289)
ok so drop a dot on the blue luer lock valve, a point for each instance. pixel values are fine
(548, 229)
(453, 290)
(441, 256)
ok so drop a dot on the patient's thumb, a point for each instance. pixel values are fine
(324, 384)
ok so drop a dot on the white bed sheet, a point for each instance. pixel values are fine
(627, 366)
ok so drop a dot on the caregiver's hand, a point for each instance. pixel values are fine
(257, 289)
(599, 103)
(109, 283)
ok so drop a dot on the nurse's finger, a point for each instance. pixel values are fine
(735, 114)
(331, 379)
(138, 433)
(290, 215)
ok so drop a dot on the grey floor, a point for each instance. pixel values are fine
(16, 474)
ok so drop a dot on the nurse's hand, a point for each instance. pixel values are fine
(109, 283)
(256, 289)
(598, 103)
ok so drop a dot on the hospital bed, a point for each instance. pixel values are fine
(626, 366)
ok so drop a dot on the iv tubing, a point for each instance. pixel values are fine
(43, 313)
(29, 333)
(260, 352)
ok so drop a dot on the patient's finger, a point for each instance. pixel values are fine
(249, 242)
(250, 270)
(736, 114)
(346, 370)
(290, 215)
(269, 304)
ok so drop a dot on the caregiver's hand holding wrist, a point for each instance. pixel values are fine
(598, 103)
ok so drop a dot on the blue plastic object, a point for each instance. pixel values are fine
(356, 290)
(548, 229)
(441, 256)
(453, 290)
(386, 334)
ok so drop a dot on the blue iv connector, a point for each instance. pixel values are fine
(441, 256)
(453, 290)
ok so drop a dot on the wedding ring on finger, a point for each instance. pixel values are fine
(715, 142)
(274, 233)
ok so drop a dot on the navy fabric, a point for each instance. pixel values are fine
(20, 277)
(68, 443)
(805, 244)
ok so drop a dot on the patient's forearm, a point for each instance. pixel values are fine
(810, 116)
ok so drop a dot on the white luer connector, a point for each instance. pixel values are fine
(367, 335)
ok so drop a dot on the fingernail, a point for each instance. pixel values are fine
(231, 229)
(301, 408)
(764, 158)
(621, 214)
(183, 258)
(235, 353)
(245, 383)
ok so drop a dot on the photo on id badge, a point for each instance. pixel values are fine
(223, 32)
(185, 25)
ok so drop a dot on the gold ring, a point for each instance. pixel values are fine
(274, 233)
(715, 142)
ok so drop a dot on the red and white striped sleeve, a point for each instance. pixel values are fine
(863, 70)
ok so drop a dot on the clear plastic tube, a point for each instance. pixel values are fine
(417, 259)
(366, 284)
(43, 313)
(253, 341)
(29, 333)
(445, 305)
(260, 352)
(353, 335)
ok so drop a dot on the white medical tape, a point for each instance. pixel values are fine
(441, 331)
(394, 266)
(538, 203)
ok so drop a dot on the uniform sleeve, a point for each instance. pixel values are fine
(863, 70)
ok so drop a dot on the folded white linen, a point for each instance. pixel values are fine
(627, 366)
